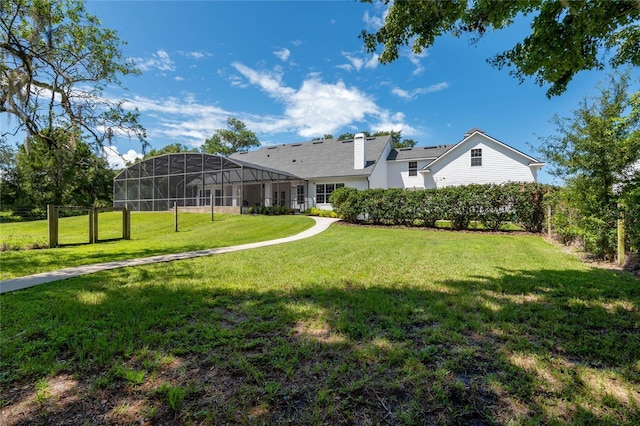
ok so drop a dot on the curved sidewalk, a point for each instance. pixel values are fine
(322, 223)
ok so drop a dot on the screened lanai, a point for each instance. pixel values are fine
(198, 180)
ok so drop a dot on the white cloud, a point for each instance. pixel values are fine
(375, 22)
(318, 107)
(401, 93)
(283, 54)
(178, 78)
(415, 59)
(118, 161)
(195, 54)
(404, 94)
(358, 63)
(159, 60)
(395, 122)
(270, 82)
(182, 120)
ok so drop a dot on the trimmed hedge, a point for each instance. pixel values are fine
(269, 210)
(492, 205)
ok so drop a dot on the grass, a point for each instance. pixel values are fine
(151, 234)
(354, 326)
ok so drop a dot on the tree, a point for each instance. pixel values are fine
(8, 174)
(325, 137)
(169, 149)
(61, 173)
(55, 61)
(237, 138)
(397, 139)
(593, 153)
(348, 136)
(566, 36)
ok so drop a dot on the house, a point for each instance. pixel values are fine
(373, 162)
(302, 175)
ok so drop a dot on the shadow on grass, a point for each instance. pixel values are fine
(538, 347)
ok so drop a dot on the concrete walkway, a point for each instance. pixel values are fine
(322, 223)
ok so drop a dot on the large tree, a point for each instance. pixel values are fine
(594, 152)
(236, 138)
(55, 61)
(61, 173)
(566, 36)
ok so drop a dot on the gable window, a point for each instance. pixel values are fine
(476, 157)
(413, 168)
(324, 190)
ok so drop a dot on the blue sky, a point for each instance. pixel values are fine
(295, 70)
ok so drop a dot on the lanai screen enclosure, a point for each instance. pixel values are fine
(195, 180)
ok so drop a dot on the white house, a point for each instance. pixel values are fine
(302, 175)
(364, 163)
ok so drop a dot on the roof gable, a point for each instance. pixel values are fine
(526, 159)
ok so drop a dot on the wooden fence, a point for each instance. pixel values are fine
(53, 213)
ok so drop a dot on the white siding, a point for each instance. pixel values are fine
(379, 175)
(499, 165)
(398, 174)
(358, 183)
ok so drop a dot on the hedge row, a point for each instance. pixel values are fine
(492, 205)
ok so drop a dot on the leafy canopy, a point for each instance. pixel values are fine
(173, 148)
(236, 138)
(59, 174)
(55, 62)
(597, 152)
(566, 36)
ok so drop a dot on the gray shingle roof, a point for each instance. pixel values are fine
(315, 159)
(419, 152)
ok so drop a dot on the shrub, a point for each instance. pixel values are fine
(314, 211)
(529, 204)
(270, 210)
(491, 205)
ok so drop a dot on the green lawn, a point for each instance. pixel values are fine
(353, 326)
(151, 234)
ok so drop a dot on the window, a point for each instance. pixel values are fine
(300, 194)
(324, 190)
(413, 168)
(476, 157)
(205, 197)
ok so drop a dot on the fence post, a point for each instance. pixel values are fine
(621, 241)
(175, 216)
(52, 219)
(93, 225)
(126, 224)
(211, 201)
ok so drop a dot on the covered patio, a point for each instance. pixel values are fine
(196, 181)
